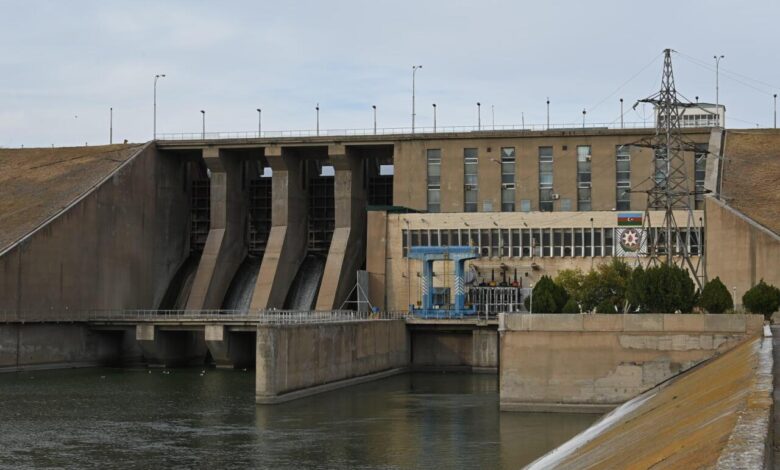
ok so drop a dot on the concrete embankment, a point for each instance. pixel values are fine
(294, 361)
(26, 346)
(716, 415)
(592, 363)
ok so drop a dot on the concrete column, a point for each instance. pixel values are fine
(170, 348)
(226, 245)
(376, 257)
(230, 349)
(348, 247)
(286, 246)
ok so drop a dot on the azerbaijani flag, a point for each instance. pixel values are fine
(629, 219)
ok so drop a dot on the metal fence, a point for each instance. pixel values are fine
(286, 317)
(239, 135)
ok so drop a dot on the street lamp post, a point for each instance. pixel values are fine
(434, 117)
(717, 87)
(775, 97)
(373, 106)
(318, 118)
(583, 118)
(479, 116)
(414, 73)
(203, 119)
(110, 126)
(621, 113)
(493, 116)
(531, 302)
(259, 123)
(156, 77)
(548, 113)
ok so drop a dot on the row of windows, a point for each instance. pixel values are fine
(546, 192)
(538, 242)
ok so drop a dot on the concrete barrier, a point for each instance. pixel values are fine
(592, 363)
(294, 361)
(716, 415)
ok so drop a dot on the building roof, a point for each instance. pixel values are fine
(38, 183)
(751, 172)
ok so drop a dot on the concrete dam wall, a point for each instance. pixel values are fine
(593, 363)
(716, 415)
(298, 360)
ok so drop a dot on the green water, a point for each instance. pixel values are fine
(109, 418)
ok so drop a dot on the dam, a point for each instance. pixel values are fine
(297, 257)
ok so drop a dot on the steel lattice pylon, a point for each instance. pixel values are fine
(670, 191)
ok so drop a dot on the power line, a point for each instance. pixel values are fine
(728, 73)
(592, 108)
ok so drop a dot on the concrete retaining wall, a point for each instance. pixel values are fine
(595, 362)
(468, 349)
(299, 360)
(50, 346)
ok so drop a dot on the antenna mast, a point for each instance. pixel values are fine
(670, 192)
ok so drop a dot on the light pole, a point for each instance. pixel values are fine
(621, 113)
(156, 77)
(775, 97)
(203, 119)
(548, 113)
(434, 117)
(414, 73)
(583, 118)
(479, 116)
(373, 106)
(259, 123)
(717, 88)
(110, 126)
(531, 302)
(493, 116)
(318, 118)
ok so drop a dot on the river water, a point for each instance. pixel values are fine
(108, 418)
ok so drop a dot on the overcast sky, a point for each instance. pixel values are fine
(64, 64)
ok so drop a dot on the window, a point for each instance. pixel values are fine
(508, 179)
(546, 179)
(661, 167)
(525, 205)
(623, 178)
(434, 180)
(583, 178)
(515, 242)
(470, 180)
(700, 172)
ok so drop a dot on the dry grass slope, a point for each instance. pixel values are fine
(751, 175)
(38, 183)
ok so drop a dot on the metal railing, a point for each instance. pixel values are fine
(240, 135)
(270, 317)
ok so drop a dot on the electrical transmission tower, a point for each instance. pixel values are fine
(670, 192)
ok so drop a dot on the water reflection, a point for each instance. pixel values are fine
(105, 417)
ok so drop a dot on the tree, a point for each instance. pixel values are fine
(571, 281)
(608, 282)
(546, 287)
(668, 288)
(637, 291)
(715, 297)
(605, 306)
(571, 306)
(762, 298)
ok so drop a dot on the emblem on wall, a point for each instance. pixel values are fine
(630, 242)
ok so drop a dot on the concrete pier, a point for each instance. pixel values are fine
(592, 363)
(170, 346)
(294, 361)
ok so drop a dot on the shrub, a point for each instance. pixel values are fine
(571, 281)
(544, 302)
(605, 307)
(557, 293)
(637, 291)
(715, 297)
(608, 283)
(762, 298)
(571, 306)
(668, 288)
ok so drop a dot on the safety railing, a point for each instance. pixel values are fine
(242, 135)
(251, 316)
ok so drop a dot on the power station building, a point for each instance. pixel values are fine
(287, 222)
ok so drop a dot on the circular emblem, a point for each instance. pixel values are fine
(630, 240)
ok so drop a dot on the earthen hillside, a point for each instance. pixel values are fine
(38, 183)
